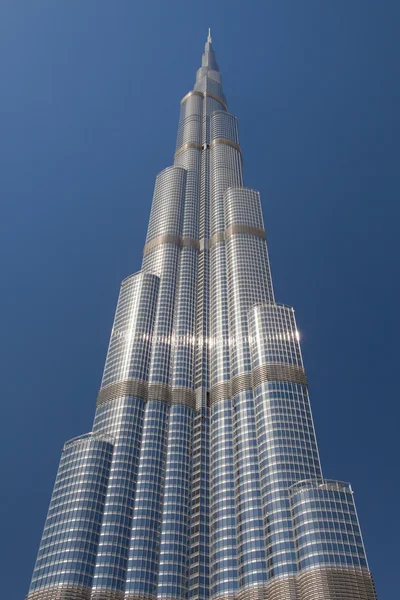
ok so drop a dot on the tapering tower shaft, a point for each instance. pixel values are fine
(201, 478)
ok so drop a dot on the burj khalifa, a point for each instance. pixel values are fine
(201, 477)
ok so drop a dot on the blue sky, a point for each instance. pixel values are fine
(88, 116)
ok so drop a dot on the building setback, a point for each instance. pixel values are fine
(201, 478)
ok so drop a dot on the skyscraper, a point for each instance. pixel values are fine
(201, 477)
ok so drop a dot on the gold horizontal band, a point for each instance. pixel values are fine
(135, 596)
(241, 228)
(171, 239)
(261, 374)
(226, 596)
(254, 592)
(282, 588)
(276, 589)
(159, 391)
(146, 391)
(188, 146)
(279, 372)
(204, 243)
(225, 142)
(186, 396)
(220, 236)
(217, 237)
(168, 238)
(336, 583)
(330, 583)
(192, 93)
(188, 242)
(227, 389)
(220, 391)
(214, 143)
(204, 95)
(217, 98)
(60, 592)
(241, 383)
(126, 387)
(103, 594)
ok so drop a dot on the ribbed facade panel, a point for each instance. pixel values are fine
(175, 529)
(184, 326)
(143, 561)
(249, 508)
(67, 553)
(225, 170)
(248, 277)
(189, 130)
(326, 525)
(123, 418)
(129, 351)
(166, 216)
(199, 573)
(182, 372)
(224, 562)
(286, 439)
(202, 477)
(120, 413)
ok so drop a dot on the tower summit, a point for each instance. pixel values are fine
(201, 477)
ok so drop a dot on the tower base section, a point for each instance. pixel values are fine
(69, 592)
(336, 584)
(107, 595)
(283, 588)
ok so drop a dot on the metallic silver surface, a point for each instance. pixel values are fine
(61, 593)
(278, 372)
(127, 387)
(201, 479)
(336, 584)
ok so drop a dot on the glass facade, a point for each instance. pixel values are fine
(201, 478)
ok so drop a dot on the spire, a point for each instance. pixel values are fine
(209, 55)
(208, 77)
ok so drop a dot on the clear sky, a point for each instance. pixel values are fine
(88, 116)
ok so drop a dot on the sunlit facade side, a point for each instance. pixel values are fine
(201, 478)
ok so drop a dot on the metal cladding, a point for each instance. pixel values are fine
(201, 478)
